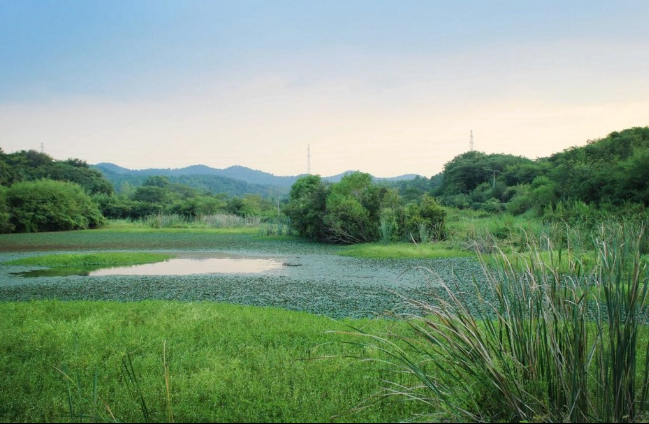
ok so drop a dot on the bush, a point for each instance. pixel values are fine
(5, 216)
(306, 206)
(426, 219)
(353, 209)
(48, 205)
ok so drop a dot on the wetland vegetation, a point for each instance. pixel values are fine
(507, 295)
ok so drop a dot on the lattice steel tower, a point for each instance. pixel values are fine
(308, 160)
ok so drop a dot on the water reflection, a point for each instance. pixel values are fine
(203, 263)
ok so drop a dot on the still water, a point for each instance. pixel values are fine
(188, 264)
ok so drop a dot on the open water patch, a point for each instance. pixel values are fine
(187, 264)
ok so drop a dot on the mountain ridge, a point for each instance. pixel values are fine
(236, 172)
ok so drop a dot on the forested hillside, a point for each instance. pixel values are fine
(607, 172)
(213, 184)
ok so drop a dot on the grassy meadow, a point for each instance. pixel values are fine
(225, 363)
(547, 324)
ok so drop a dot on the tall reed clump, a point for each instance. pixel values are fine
(550, 343)
(201, 221)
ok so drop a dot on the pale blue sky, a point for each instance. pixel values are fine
(388, 87)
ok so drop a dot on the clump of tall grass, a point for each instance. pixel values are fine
(549, 343)
(166, 221)
(387, 229)
(93, 408)
(201, 221)
(276, 227)
(228, 221)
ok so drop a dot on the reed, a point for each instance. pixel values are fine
(542, 342)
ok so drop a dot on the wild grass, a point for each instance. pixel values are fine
(201, 221)
(534, 345)
(277, 227)
(403, 251)
(184, 362)
(73, 260)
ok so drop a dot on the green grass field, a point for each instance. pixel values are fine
(404, 251)
(226, 364)
(64, 360)
(101, 259)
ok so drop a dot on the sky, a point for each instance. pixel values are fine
(385, 87)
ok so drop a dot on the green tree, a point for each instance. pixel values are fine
(306, 206)
(5, 216)
(152, 194)
(425, 220)
(48, 205)
(156, 181)
(353, 209)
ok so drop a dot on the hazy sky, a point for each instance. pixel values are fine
(386, 87)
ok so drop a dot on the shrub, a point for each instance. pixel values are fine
(48, 205)
(5, 216)
(306, 206)
(425, 219)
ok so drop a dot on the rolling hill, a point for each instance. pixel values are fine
(234, 180)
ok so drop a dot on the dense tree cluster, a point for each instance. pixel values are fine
(613, 171)
(357, 210)
(158, 195)
(48, 205)
(38, 193)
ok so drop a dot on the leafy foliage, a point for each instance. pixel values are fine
(5, 216)
(32, 165)
(306, 206)
(356, 210)
(613, 170)
(48, 205)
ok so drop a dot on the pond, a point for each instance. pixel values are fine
(186, 264)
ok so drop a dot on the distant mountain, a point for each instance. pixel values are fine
(210, 183)
(240, 173)
(105, 166)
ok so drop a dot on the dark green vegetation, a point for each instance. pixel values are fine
(38, 193)
(356, 210)
(606, 177)
(159, 195)
(31, 165)
(606, 173)
(224, 363)
(212, 184)
(48, 205)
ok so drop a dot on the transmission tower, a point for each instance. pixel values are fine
(308, 160)
(471, 142)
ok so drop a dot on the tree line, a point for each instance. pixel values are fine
(607, 173)
(38, 193)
